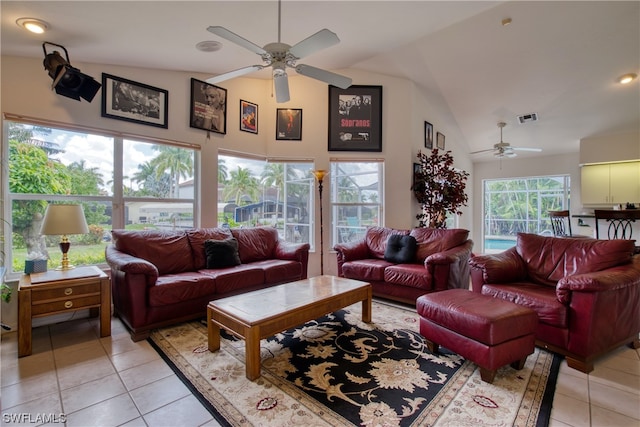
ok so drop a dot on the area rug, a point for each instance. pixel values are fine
(339, 371)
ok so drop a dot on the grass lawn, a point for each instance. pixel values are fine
(78, 255)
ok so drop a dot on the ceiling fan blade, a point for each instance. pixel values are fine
(234, 38)
(281, 82)
(326, 76)
(537, 150)
(482, 151)
(235, 73)
(318, 41)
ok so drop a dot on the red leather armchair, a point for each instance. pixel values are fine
(586, 292)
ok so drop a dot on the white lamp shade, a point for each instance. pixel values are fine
(64, 219)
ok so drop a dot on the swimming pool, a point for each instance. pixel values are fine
(499, 243)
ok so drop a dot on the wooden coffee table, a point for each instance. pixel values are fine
(261, 314)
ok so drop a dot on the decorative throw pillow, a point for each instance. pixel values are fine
(221, 253)
(401, 249)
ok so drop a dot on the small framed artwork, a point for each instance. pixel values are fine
(208, 107)
(355, 118)
(248, 116)
(131, 101)
(440, 141)
(289, 124)
(428, 135)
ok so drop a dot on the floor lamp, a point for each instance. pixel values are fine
(320, 174)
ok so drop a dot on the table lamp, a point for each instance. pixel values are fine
(62, 220)
(320, 174)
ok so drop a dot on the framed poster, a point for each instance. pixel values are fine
(289, 124)
(355, 118)
(248, 116)
(428, 135)
(131, 101)
(208, 107)
(440, 141)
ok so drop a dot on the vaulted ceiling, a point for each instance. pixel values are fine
(557, 59)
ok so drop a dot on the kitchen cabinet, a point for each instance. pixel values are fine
(612, 183)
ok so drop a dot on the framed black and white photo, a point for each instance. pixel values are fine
(440, 141)
(248, 116)
(428, 135)
(289, 124)
(208, 107)
(355, 118)
(131, 101)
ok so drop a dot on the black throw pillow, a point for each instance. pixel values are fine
(222, 253)
(401, 249)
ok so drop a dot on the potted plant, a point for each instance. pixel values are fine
(439, 188)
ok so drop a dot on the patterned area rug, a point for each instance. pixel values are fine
(339, 371)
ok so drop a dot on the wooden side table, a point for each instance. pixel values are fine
(54, 292)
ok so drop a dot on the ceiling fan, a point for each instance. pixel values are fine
(504, 149)
(280, 55)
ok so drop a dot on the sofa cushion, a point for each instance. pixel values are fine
(433, 240)
(542, 299)
(169, 251)
(400, 249)
(256, 243)
(279, 270)
(376, 239)
(232, 280)
(198, 236)
(549, 259)
(173, 288)
(222, 253)
(365, 269)
(414, 275)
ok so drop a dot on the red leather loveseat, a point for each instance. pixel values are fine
(164, 277)
(586, 292)
(439, 262)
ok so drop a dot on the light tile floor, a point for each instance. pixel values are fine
(113, 381)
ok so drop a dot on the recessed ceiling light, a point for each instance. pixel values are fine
(627, 78)
(34, 25)
(209, 46)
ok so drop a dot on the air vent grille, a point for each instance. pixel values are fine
(526, 118)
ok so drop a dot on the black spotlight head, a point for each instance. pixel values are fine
(67, 80)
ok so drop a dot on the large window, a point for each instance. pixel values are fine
(521, 205)
(254, 192)
(356, 198)
(120, 184)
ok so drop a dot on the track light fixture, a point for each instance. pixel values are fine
(67, 80)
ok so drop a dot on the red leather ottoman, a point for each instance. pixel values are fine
(488, 331)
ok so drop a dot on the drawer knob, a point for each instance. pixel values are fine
(68, 304)
(68, 291)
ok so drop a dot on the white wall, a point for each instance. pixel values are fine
(25, 90)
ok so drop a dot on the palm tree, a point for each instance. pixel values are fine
(222, 171)
(241, 183)
(273, 176)
(177, 162)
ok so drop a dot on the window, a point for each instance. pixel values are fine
(150, 186)
(520, 205)
(356, 198)
(253, 192)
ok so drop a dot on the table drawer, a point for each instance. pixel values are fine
(64, 292)
(65, 304)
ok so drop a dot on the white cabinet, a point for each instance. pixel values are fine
(614, 183)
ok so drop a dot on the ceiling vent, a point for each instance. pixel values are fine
(526, 118)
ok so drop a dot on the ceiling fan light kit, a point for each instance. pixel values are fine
(279, 56)
(504, 149)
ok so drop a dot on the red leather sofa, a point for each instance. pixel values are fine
(586, 292)
(161, 277)
(440, 262)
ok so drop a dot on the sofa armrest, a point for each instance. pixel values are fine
(504, 267)
(349, 252)
(295, 252)
(610, 279)
(450, 256)
(129, 264)
(450, 268)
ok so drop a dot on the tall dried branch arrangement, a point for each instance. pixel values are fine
(439, 188)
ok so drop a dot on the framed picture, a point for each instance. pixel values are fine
(289, 124)
(248, 116)
(208, 107)
(355, 118)
(416, 169)
(428, 135)
(131, 101)
(440, 141)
